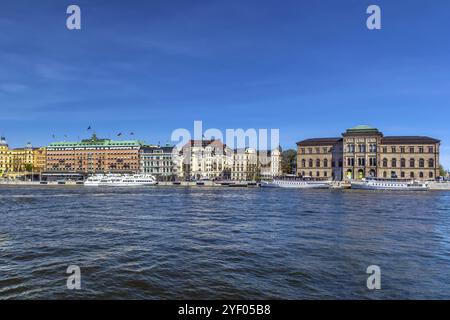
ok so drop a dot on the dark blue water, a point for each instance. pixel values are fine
(195, 243)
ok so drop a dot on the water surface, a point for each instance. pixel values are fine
(215, 243)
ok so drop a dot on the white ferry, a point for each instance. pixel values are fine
(389, 184)
(296, 183)
(120, 180)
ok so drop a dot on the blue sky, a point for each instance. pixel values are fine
(309, 68)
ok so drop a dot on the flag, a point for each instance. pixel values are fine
(53, 136)
(131, 133)
(119, 134)
(89, 128)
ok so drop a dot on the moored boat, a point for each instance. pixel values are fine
(389, 184)
(120, 180)
(296, 183)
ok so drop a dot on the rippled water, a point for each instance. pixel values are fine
(195, 243)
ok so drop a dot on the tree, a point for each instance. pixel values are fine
(28, 167)
(442, 171)
(289, 161)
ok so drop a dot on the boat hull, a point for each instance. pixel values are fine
(387, 187)
(296, 184)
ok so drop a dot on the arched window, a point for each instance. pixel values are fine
(412, 162)
(421, 174)
(318, 174)
(385, 162)
(403, 163)
(411, 174)
(394, 163)
(303, 163)
(325, 163)
(384, 174)
(318, 163)
(431, 163)
(421, 163)
(310, 163)
(431, 174)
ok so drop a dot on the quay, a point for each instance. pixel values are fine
(434, 186)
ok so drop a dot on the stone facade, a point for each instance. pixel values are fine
(158, 161)
(245, 165)
(365, 152)
(204, 159)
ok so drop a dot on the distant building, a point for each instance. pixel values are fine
(245, 165)
(269, 163)
(158, 161)
(364, 151)
(93, 155)
(204, 159)
(20, 161)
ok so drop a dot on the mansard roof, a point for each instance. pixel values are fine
(408, 140)
(319, 142)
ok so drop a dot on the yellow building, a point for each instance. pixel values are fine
(20, 161)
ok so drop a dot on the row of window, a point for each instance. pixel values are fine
(412, 163)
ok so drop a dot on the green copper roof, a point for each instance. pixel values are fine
(363, 127)
(96, 142)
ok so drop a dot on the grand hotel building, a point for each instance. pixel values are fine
(364, 151)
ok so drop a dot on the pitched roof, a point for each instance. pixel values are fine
(408, 140)
(319, 142)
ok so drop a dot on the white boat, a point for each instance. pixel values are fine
(296, 183)
(389, 184)
(120, 180)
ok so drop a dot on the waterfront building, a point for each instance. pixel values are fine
(364, 151)
(39, 159)
(158, 161)
(20, 161)
(4, 156)
(269, 163)
(93, 155)
(204, 159)
(245, 165)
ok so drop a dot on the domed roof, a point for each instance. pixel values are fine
(362, 127)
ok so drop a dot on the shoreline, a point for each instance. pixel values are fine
(338, 185)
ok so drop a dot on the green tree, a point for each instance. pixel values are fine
(28, 167)
(442, 171)
(289, 161)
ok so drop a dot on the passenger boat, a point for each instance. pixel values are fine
(389, 184)
(296, 183)
(120, 180)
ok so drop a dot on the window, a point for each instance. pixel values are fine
(431, 163)
(421, 174)
(402, 174)
(384, 149)
(402, 149)
(384, 174)
(420, 149)
(412, 162)
(393, 149)
(317, 174)
(430, 149)
(431, 175)
(411, 149)
(385, 162)
(411, 174)
(318, 163)
(325, 163)
(394, 163)
(403, 163)
(325, 174)
(310, 163)
(303, 163)
(421, 163)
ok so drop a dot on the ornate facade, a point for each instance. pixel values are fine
(93, 155)
(365, 152)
